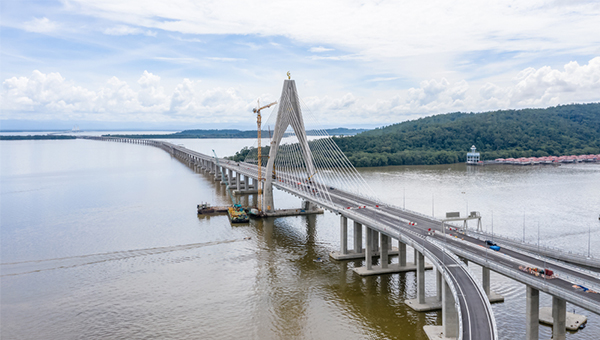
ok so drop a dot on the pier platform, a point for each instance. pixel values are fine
(352, 255)
(391, 269)
(573, 321)
(435, 333)
(293, 212)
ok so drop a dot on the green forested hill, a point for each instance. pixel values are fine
(186, 134)
(446, 138)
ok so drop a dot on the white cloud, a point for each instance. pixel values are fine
(383, 79)
(375, 29)
(531, 87)
(43, 25)
(225, 59)
(151, 94)
(52, 95)
(128, 30)
(547, 87)
(320, 49)
(340, 57)
(178, 60)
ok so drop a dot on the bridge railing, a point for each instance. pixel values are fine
(478, 284)
(517, 240)
(528, 279)
(413, 241)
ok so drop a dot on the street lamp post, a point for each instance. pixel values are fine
(589, 239)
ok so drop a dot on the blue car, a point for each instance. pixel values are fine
(495, 247)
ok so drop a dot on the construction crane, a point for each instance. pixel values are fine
(258, 123)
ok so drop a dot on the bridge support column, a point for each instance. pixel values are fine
(449, 313)
(416, 255)
(438, 284)
(369, 249)
(357, 252)
(238, 180)
(559, 318)
(358, 238)
(375, 241)
(385, 251)
(422, 303)
(420, 278)
(343, 235)
(532, 314)
(401, 254)
(246, 182)
(220, 174)
(385, 244)
(485, 280)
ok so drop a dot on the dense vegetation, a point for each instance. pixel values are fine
(30, 137)
(446, 138)
(235, 133)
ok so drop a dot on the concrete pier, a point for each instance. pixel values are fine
(572, 321)
(369, 249)
(358, 238)
(292, 212)
(493, 297)
(559, 318)
(245, 192)
(436, 333)
(422, 303)
(449, 328)
(420, 278)
(384, 253)
(352, 255)
(343, 235)
(385, 245)
(532, 316)
(449, 313)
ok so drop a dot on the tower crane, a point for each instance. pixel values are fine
(258, 123)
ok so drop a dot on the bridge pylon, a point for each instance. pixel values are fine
(288, 114)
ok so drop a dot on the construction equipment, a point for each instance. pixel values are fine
(236, 212)
(260, 179)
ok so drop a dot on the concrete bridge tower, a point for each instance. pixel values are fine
(288, 114)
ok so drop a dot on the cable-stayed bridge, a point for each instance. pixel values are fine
(318, 172)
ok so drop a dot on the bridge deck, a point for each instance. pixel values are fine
(476, 315)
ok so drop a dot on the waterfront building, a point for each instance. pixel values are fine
(473, 156)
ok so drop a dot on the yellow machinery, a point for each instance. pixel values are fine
(260, 179)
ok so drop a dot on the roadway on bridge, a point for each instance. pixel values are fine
(476, 315)
(477, 319)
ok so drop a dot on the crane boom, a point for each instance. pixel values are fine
(258, 123)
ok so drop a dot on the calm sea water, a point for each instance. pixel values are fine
(101, 241)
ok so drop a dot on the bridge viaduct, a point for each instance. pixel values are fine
(466, 311)
(464, 301)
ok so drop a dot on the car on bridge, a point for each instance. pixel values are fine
(490, 243)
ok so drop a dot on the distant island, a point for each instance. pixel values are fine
(234, 134)
(35, 137)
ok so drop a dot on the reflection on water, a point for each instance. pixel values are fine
(101, 241)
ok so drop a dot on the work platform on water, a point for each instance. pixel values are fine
(327, 181)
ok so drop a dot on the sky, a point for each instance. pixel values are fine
(182, 64)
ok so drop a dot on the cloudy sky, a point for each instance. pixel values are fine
(203, 64)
